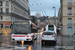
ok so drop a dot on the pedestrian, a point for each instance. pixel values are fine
(74, 32)
(74, 35)
(69, 34)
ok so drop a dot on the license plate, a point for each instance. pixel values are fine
(47, 37)
(20, 39)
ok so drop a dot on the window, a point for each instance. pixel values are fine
(0, 9)
(7, 3)
(74, 29)
(70, 31)
(7, 10)
(69, 11)
(20, 19)
(7, 18)
(51, 27)
(13, 18)
(1, 18)
(0, 3)
(48, 33)
(69, 21)
(69, 1)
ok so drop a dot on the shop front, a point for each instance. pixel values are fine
(5, 28)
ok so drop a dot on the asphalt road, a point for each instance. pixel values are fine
(63, 43)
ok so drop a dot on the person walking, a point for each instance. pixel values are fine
(69, 34)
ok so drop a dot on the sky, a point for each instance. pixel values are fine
(45, 7)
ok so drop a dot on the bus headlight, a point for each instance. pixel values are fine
(55, 32)
(12, 37)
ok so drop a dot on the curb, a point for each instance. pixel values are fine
(66, 35)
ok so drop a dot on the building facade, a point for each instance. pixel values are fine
(51, 20)
(33, 19)
(11, 10)
(67, 17)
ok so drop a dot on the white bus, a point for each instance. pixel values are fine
(24, 31)
(51, 28)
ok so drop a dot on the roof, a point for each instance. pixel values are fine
(53, 18)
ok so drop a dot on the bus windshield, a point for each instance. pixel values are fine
(21, 27)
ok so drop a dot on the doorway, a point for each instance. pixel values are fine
(6, 31)
(70, 31)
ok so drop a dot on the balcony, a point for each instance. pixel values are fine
(69, 24)
(70, 4)
(1, 12)
(69, 14)
(13, 14)
(5, 13)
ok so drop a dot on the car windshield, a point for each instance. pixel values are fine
(20, 33)
(48, 33)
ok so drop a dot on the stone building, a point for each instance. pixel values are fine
(11, 10)
(67, 17)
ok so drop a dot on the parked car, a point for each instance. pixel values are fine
(48, 36)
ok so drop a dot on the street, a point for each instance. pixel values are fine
(37, 25)
(63, 43)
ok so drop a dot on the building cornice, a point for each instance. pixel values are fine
(68, 16)
(13, 14)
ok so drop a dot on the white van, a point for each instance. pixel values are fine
(51, 28)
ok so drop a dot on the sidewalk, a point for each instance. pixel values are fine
(4, 38)
(0, 37)
(67, 41)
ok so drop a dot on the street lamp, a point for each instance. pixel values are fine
(54, 15)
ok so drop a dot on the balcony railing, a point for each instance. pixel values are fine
(69, 2)
(69, 13)
(1, 12)
(69, 24)
(5, 13)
